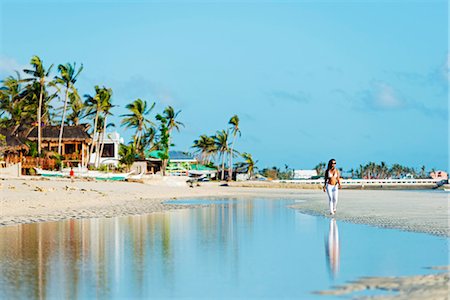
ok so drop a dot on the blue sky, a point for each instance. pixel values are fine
(358, 81)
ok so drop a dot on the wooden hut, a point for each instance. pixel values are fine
(74, 146)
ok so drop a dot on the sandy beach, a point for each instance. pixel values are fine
(28, 200)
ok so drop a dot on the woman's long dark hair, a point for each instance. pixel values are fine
(330, 164)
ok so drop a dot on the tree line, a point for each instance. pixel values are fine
(220, 147)
(33, 102)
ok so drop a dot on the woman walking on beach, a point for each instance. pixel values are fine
(332, 185)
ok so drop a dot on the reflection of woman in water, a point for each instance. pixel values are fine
(332, 185)
(332, 250)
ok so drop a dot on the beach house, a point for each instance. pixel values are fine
(110, 142)
(180, 162)
(20, 146)
(74, 143)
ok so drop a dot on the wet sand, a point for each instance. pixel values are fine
(29, 200)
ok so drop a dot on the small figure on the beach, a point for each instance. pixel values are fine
(72, 174)
(332, 185)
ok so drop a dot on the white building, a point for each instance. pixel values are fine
(110, 154)
(304, 174)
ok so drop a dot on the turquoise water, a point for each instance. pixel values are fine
(233, 249)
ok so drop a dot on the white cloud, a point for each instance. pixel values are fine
(385, 97)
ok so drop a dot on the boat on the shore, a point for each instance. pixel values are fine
(84, 173)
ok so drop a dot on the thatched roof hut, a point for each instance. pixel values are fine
(13, 142)
(70, 134)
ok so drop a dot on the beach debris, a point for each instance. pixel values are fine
(11, 187)
(70, 188)
(40, 189)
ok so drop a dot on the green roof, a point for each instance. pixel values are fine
(202, 168)
(153, 153)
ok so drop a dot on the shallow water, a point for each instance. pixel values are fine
(233, 249)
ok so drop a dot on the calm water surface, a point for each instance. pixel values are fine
(233, 249)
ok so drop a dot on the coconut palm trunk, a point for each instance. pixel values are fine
(39, 113)
(230, 167)
(62, 121)
(102, 142)
(223, 166)
(91, 149)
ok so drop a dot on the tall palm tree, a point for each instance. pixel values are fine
(39, 75)
(106, 109)
(234, 122)
(249, 164)
(171, 116)
(101, 130)
(147, 140)
(422, 172)
(12, 104)
(397, 170)
(94, 107)
(138, 119)
(68, 77)
(206, 146)
(168, 122)
(320, 167)
(221, 141)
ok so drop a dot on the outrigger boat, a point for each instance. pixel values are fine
(80, 173)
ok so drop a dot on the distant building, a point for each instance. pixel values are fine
(110, 154)
(304, 174)
(179, 162)
(439, 175)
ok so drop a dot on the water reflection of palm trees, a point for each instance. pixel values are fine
(332, 249)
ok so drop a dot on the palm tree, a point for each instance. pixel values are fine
(320, 167)
(101, 130)
(138, 119)
(127, 155)
(39, 75)
(221, 141)
(12, 104)
(106, 109)
(68, 77)
(397, 170)
(147, 141)
(234, 122)
(206, 146)
(95, 106)
(163, 142)
(249, 164)
(168, 122)
(422, 172)
(171, 116)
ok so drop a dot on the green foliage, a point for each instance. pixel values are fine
(2, 143)
(127, 155)
(271, 173)
(33, 149)
(320, 168)
(248, 165)
(164, 137)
